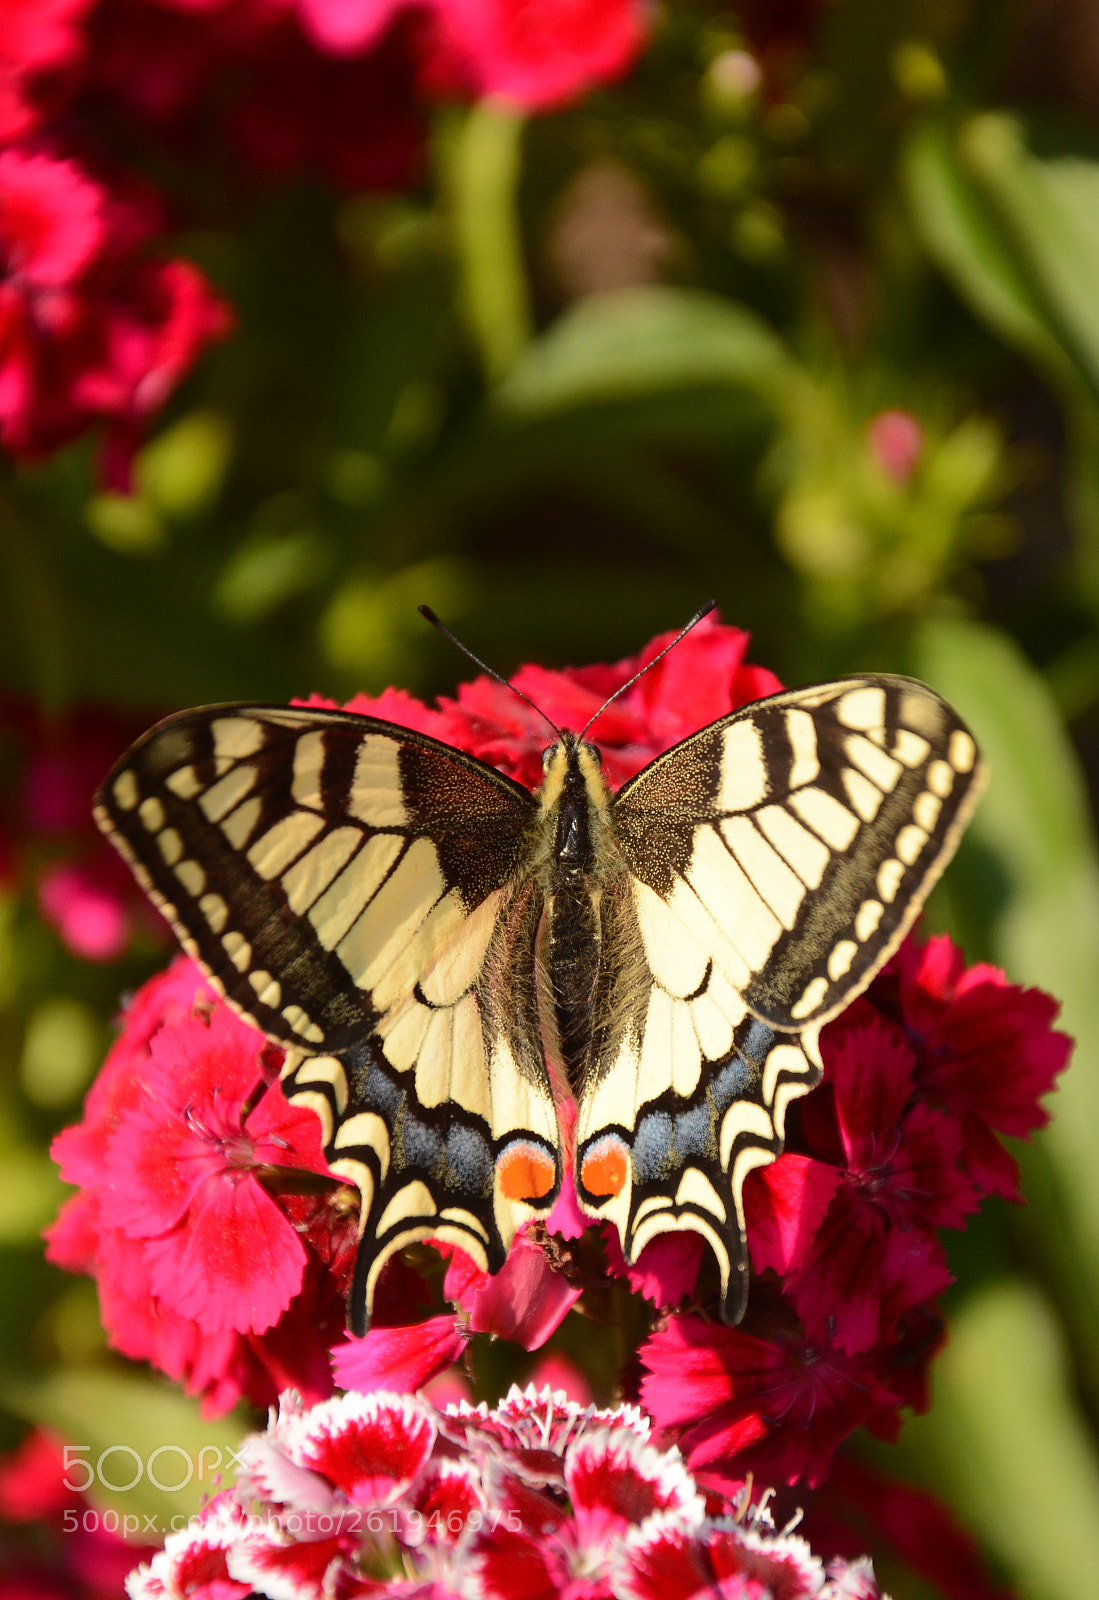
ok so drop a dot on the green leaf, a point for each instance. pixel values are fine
(134, 1444)
(638, 342)
(1018, 232)
(1007, 1447)
(965, 233)
(1034, 822)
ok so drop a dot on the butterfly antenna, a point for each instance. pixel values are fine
(429, 616)
(703, 611)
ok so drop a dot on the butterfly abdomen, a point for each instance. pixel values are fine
(575, 869)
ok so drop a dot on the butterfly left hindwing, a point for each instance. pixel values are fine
(362, 894)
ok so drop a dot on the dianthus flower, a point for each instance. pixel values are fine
(91, 329)
(897, 1143)
(200, 1270)
(39, 39)
(537, 1499)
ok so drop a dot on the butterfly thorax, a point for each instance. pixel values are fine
(578, 856)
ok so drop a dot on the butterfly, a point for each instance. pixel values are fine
(446, 956)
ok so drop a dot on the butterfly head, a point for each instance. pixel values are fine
(571, 770)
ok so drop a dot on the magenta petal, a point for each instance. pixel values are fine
(526, 1301)
(403, 1359)
(285, 1135)
(235, 1263)
(667, 1269)
(464, 1279)
(346, 27)
(785, 1204)
(566, 1219)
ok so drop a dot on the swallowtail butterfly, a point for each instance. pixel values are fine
(444, 954)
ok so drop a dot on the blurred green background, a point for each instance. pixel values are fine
(818, 337)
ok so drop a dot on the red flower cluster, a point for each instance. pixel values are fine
(241, 79)
(200, 1271)
(898, 1142)
(186, 1136)
(538, 1497)
(91, 329)
(96, 331)
(40, 40)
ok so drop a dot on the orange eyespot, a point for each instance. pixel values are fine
(527, 1172)
(606, 1167)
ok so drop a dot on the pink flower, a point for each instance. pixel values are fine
(38, 40)
(537, 1499)
(87, 904)
(874, 1254)
(47, 838)
(344, 27)
(778, 1409)
(986, 1051)
(896, 443)
(200, 1270)
(90, 331)
(402, 1359)
(544, 55)
(180, 1173)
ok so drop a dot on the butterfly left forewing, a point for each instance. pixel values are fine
(773, 862)
(362, 894)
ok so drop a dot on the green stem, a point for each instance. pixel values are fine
(486, 160)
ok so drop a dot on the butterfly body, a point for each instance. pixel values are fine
(448, 957)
